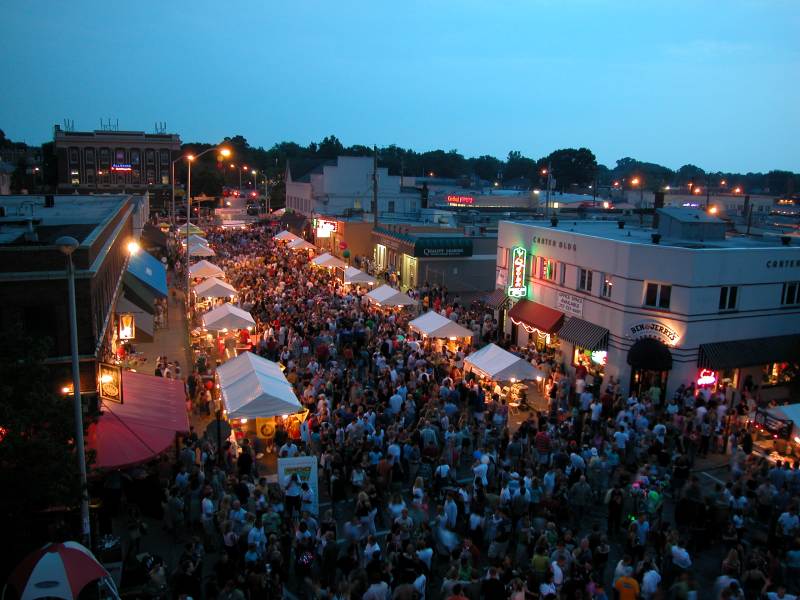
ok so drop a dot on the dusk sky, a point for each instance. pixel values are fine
(713, 83)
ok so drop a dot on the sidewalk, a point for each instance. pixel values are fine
(171, 341)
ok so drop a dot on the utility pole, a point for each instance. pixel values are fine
(375, 187)
(547, 194)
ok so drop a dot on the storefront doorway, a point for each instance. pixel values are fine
(651, 362)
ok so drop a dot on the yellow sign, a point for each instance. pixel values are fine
(127, 326)
(109, 382)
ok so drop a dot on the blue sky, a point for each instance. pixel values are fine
(714, 83)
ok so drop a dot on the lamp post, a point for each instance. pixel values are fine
(67, 246)
(191, 158)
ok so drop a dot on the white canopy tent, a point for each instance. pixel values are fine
(254, 387)
(386, 295)
(214, 288)
(227, 316)
(434, 325)
(498, 364)
(301, 244)
(791, 412)
(353, 275)
(195, 239)
(285, 236)
(328, 260)
(204, 269)
(201, 250)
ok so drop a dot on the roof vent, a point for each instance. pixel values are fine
(49, 201)
(621, 224)
(656, 237)
(786, 240)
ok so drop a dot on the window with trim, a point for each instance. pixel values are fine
(607, 286)
(790, 296)
(164, 154)
(73, 155)
(728, 296)
(547, 269)
(584, 280)
(562, 273)
(89, 156)
(657, 295)
(149, 157)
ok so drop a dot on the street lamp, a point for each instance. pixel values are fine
(636, 182)
(67, 246)
(225, 152)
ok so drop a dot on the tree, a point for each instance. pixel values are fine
(38, 466)
(519, 166)
(487, 167)
(690, 174)
(330, 147)
(573, 167)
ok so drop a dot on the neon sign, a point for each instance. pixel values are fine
(121, 168)
(454, 200)
(707, 377)
(518, 289)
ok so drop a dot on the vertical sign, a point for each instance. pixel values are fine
(306, 469)
(517, 287)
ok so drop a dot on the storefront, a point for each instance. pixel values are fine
(448, 260)
(535, 325)
(589, 345)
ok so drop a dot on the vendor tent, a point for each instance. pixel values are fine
(388, 296)
(285, 236)
(252, 387)
(227, 316)
(789, 412)
(193, 229)
(498, 364)
(144, 425)
(214, 288)
(201, 250)
(353, 275)
(301, 244)
(328, 260)
(434, 325)
(58, 571)
(204, 269)
(197, 239)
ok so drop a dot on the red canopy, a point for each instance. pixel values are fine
(537, 316)
(143, 426)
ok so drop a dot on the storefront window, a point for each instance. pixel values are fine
(593, 360)
(778, 373)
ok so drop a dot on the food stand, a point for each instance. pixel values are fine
(500, 366)
(387, 296)
(778, 431)
(329, 261)
(444, 331)
(204, 269)
(353, 276)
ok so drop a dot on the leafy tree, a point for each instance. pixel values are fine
(573, 167)
(330, 147)
(519, 166)
(690, 174)
(487, 167)
(38, 466)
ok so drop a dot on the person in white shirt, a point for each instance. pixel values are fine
(480, 470)
(789, 522)
(680, 557)
(650, 581)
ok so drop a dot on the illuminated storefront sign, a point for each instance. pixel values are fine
(518, 289)
(599, 357)
(121, 168)
(707, 377)
(109, 382)
(454, 200)
(127, 326)
(654, 329)
(325, 227)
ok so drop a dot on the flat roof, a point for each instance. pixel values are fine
(74, 215)
(633, 233)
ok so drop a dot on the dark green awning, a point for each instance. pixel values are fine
(442, 247)
(749, 353)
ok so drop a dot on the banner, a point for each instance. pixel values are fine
(306, 469)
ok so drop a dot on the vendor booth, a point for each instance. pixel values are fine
(200, 250)
(214, 288)
(778, 431)
(285, 236)
(192, 229)
(500, 365)
(196, 239)
(388, 296)
(329, 261)
(353, 276)
(204, 269)
(301, 244)
(436, 326)
(227, 317)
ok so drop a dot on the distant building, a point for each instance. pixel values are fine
(344, 186)
(113, 162)
(6, 170)
(33, 280)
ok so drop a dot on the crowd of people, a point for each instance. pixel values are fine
(428, 488)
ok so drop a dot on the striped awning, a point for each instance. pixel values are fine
(584, 334)
(749, 353)
(496, 299)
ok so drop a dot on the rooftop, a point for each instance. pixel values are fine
(633, 233)
(73, 215)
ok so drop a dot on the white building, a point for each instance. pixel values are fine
(344, 186)
(696, 302)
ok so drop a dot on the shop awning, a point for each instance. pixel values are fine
(498, 364)
(143, 426)
(442, 246)
(435, 325)
(153, 237)
(536, 316)
(149, 271)
(254, 387)
(651, 355)
(584, 334)
(143, 319)
(496, 299)
(139, 294)
(749, 353)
